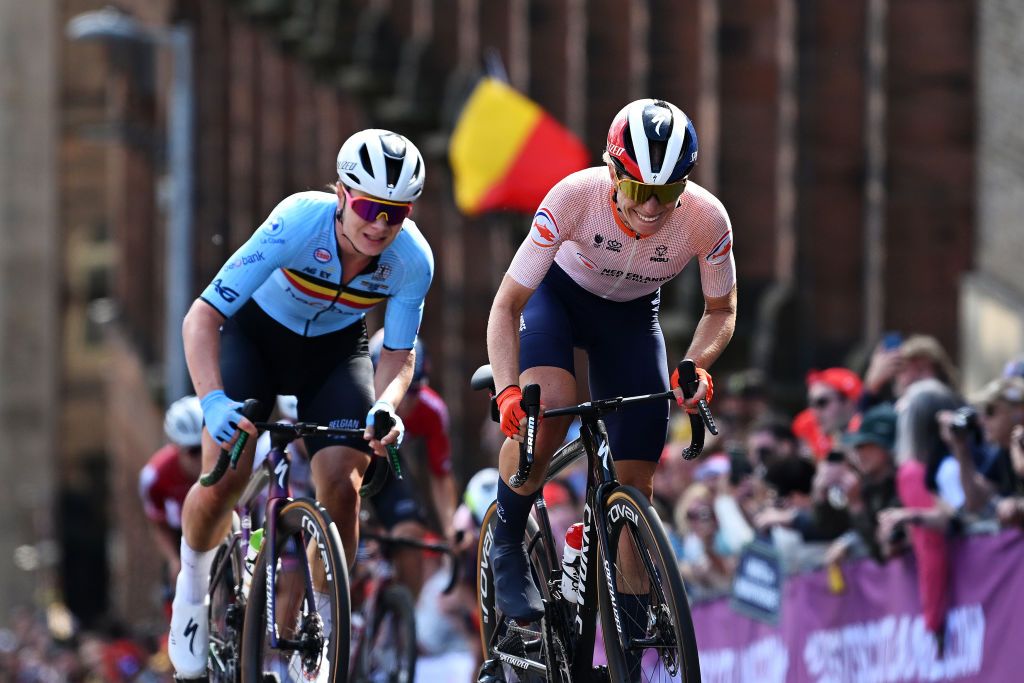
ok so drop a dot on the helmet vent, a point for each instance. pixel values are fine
(364, 157)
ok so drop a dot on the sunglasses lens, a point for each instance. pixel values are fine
(370, 210)
(640, 192)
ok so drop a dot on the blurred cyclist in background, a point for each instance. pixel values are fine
(166, 478)
(425, 416)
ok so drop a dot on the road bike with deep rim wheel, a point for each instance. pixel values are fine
(627, 570)
(291, 621)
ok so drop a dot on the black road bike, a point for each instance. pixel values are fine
(626, 558)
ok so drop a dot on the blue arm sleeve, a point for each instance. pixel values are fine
(270, 247)
(405, 307)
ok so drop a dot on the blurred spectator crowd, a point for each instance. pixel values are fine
(890, 460)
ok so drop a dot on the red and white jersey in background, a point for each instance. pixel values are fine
(578, 227)
(163, 486)
(429, 420)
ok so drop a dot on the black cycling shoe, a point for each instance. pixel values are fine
(514, 591)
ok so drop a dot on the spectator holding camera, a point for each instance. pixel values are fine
(979, 437)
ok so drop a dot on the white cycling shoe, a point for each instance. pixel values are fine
(189, 640)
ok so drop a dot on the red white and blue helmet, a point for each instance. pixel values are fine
(652, 141)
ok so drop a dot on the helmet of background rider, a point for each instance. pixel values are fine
(481, 491)
(288, 406)
(652, 141)
(183, 422)
(419, 372)
(382, 164)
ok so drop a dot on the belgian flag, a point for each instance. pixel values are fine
(506, 152)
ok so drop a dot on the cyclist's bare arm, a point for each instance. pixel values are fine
(394, 374)
(442, 492)
(166, 540)
(201, 335)
(714, 330)
(503, 331)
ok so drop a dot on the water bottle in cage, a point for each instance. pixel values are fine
(571, 562)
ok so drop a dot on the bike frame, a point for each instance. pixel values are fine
(601, 479)
(276, 468)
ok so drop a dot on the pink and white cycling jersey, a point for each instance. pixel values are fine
(578, 227)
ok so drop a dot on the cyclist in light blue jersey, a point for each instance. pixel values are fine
(285, 315)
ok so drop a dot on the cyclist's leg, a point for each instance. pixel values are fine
(636, 434)
(340, 395)
(401, 514)
(206, 513)
(545, 358)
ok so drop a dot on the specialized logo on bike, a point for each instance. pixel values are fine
(190, 633)
(226, 293)
(720, 252)
(544, 232)
(322, 255)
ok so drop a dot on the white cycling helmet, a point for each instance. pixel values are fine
(288, 406)
(481, 491)
(382, 164)
(183, 422)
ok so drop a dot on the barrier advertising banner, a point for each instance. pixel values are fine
(873, 631)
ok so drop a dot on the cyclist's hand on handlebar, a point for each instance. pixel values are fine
(513, 416)
(396, 434)
(223, 418)
(705, 390)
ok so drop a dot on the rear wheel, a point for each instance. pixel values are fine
(496, 634)
(227, 609)
(391, 656)
(657, 641)
(313, 635)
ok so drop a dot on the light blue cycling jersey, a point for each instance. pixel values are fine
(291, 267)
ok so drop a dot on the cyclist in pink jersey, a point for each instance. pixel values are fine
(588, 275)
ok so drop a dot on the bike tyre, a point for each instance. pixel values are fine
(226, 599)
(397, 602)
(301, 517)
(650, 530)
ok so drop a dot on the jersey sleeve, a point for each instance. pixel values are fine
(405, 307)
(269, 248)
(550, 227)
(714, 251)
(152, 507)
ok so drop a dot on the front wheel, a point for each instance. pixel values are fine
(313, 634)
(390, 657)
(656, 641)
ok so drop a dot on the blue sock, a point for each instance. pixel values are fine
(513, 509)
